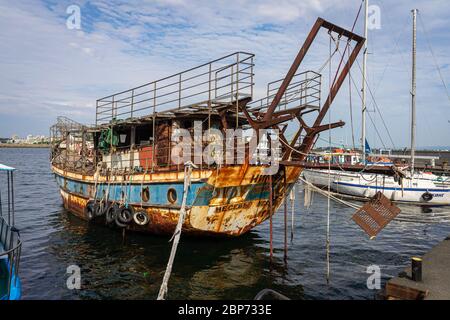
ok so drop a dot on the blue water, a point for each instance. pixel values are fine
(132, 268)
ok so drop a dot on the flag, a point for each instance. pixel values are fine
(368, 150)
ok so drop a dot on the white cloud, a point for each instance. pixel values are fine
(47, 70)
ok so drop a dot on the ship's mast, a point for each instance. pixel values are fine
(413, 91)
(363, 116)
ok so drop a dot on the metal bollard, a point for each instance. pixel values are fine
(416, 269)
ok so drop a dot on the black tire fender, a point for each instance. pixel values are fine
(100, 209)
(427, 196)
(141, 218)
(111, 212)
(125, 215)
(90, 209)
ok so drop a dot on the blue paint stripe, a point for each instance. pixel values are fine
(200, 193)
(158, 192)
(393, 189)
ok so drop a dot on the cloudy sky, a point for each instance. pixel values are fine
(48, 70)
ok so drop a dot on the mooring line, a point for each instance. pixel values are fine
(292, 198)
(176, 235)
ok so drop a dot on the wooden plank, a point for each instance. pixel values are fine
(400, 292)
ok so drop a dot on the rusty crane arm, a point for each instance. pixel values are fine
(271, 117)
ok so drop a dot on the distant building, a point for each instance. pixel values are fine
(30, 139)
(36, 139)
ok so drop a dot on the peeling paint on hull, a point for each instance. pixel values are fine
(228, 202)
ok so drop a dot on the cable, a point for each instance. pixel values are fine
(434, 57)
(378, 109)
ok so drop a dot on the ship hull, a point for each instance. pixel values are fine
(226, 202)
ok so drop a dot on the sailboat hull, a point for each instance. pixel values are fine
(423, 189)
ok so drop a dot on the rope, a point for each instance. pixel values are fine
(308, 198)
(434, 57)
(366, 166)
(292, 198)
(368, 113)
(96, 176)
(142, 184)
(325, 193)
(378, 109)
(176, 235)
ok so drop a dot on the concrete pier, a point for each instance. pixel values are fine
(435, 284)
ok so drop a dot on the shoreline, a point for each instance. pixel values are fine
(7, 145)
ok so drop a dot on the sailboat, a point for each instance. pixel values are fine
(365, 179)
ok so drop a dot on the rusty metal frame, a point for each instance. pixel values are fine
(271, 118)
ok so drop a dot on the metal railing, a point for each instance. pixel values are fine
(222, 81)
(304, 90)
(12, 246)
(158, 159)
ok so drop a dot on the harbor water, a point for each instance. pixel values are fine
(132, 267)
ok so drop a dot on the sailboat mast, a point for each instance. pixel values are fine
(363, 115)
(413, 91)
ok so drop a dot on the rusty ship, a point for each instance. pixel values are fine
(121, 172)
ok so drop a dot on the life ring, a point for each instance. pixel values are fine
(111, 213)
(91, 208)
(141, 218)
(427, 196)
(124, 216)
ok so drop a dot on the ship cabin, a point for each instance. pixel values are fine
(134, 129)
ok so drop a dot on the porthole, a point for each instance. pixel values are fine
(172, 195)
(145, 194)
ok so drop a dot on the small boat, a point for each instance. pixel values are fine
(10, 243)
(125, 171)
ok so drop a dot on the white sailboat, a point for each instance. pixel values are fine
(414, 187)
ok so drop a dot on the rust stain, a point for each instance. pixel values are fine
(228, 213)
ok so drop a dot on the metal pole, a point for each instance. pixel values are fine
(285, 217)
(179, 92)
(237, 90)
(209, 98)
(153, 143)
(363, 115)
(12, 199)
(83, 150)
(251, 78)
(270, 213)
(112, 109)
(96, 112)
(132, 102)
(413, 91)
(9, 199)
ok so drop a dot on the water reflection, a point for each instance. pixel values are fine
(132, 268)
(206, 268)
